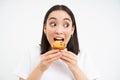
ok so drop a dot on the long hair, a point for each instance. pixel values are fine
(73, 44)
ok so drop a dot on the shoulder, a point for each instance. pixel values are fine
(86, 63)
(33, 52)
(28, 61)
(82, 54)
(33, 49)
(31, 55)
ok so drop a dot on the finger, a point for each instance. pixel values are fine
(69, 57)
(48, 60)
(66, 59)
(51, 52)
(69, 54)
(53, 59)
(52, 56)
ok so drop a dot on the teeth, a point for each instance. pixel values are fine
(58, 39)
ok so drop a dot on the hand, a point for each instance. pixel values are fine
(70, 59)
(48, 58)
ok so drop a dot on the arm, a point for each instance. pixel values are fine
(71, 60)
(36, 74)
(79, 74)
(21, 78)
(46, 60)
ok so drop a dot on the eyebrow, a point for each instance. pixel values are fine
(63, 19)
(52, 18)
(67, 19)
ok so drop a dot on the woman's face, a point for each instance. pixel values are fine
(58, 27)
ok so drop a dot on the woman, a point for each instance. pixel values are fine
(45, 63)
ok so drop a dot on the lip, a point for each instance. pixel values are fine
(58, 38)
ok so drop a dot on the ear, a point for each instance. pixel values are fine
(73, 29)
(44, 28)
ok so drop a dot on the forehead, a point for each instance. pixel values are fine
(59, 14)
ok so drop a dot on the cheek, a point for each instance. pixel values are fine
(48, 31)
(68, 36)
(48, 35)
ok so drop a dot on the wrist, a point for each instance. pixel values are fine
(39, 69)
(75, 68)
(35, 74)
(79, 74)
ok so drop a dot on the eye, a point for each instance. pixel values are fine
(66, 25)
(53, 24)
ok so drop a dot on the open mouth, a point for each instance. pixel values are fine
(58, 39)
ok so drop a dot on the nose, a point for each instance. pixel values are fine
(59, 30)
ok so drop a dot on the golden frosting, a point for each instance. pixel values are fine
(58, 45)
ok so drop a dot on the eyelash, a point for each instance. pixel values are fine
(53, 24)
(66, 25)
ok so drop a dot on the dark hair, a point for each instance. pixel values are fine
(73, 44)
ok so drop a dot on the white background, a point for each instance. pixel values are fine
(98, 23)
